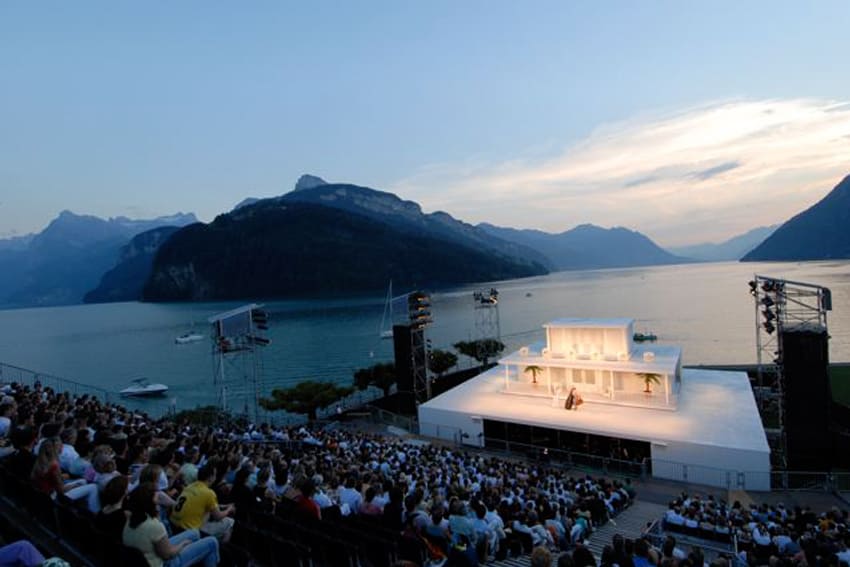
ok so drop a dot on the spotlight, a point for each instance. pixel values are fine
(767, 286)
(753, 287)
(767, 301)
(768, 315)
(768, 326)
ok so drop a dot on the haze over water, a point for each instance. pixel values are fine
(705, 308)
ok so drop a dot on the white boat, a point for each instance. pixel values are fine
(386, 332)
(140, 388)
(188, 338)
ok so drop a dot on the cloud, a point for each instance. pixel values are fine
(716, 170)
(698, 174)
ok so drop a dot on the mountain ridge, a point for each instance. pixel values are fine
(817, 233)
(588, 246)
(58, 265)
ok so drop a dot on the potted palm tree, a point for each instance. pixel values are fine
(649, 378)
(534, 369)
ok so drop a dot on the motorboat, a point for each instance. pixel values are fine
(141, 388)
(186, 338)
(643, 337)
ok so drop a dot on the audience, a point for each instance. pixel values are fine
(171, 477)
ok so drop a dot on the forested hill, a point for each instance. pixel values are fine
(821, 232)
(280, 248)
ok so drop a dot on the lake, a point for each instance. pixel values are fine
(705, 308)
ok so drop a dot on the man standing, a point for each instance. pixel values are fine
(197, 508)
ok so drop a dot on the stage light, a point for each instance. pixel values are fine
(768, 326)
(767, 286)
(768, 315)
(753, 287)
(767, 301)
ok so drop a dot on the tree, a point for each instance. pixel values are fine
(481, 350)
(307, 397)
(440, 361)
(381, 375)
(534, 369)
(649, 378)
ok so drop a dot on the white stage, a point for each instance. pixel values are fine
(714, 436)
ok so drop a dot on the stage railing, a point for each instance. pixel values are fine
(570, 459)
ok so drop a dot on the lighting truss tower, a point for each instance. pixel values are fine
(487, 328)
(238, 337)
(419, 316)
(781, 305)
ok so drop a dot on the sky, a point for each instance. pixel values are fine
(689, 122)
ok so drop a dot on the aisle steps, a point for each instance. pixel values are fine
(630, 524)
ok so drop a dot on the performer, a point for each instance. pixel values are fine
(556, 399)
(571, 399)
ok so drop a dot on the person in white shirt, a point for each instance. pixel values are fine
(349, 495)
(69, 455)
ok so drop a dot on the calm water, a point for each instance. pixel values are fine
(706, 308)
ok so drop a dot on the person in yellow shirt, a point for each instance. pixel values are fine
(197, 508)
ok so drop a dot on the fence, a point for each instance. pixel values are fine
(570, 459)
(386, 417)
(10, 373)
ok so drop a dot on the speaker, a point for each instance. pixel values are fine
(807, 397)
(403, 358)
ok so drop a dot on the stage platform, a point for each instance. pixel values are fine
(713, 437)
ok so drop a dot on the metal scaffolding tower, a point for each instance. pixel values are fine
(419, 315)
(781, 305)
(488, 331)
(238, 337)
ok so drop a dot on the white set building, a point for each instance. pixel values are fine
(699, 426)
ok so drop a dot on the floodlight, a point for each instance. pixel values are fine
(753, 287)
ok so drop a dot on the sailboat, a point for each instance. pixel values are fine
(386, 330)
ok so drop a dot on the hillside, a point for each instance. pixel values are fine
(285, 247)
(821, 232)
(589, 247)
(126, 280)
(734, 248)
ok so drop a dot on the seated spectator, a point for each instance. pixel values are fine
(111, 518)
(197, 508)
(46, 477)
(20, 554)
(541, 557)
(146, 533)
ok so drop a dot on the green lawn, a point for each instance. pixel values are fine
(839, 376)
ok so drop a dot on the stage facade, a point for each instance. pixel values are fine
(700, 426)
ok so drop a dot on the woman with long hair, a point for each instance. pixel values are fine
(147, 533)
(46, 477)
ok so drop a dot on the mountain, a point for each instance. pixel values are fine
(66, 259)
(125, 281)
(408, 216)
(308, 181)
(16, 242)
(819, 233)
(325, 240)
(733, 249)
(588, 247)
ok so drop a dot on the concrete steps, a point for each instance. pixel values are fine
(630, 524)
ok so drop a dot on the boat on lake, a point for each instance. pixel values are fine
(645, 337)
(190, 337)
(141, 388)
